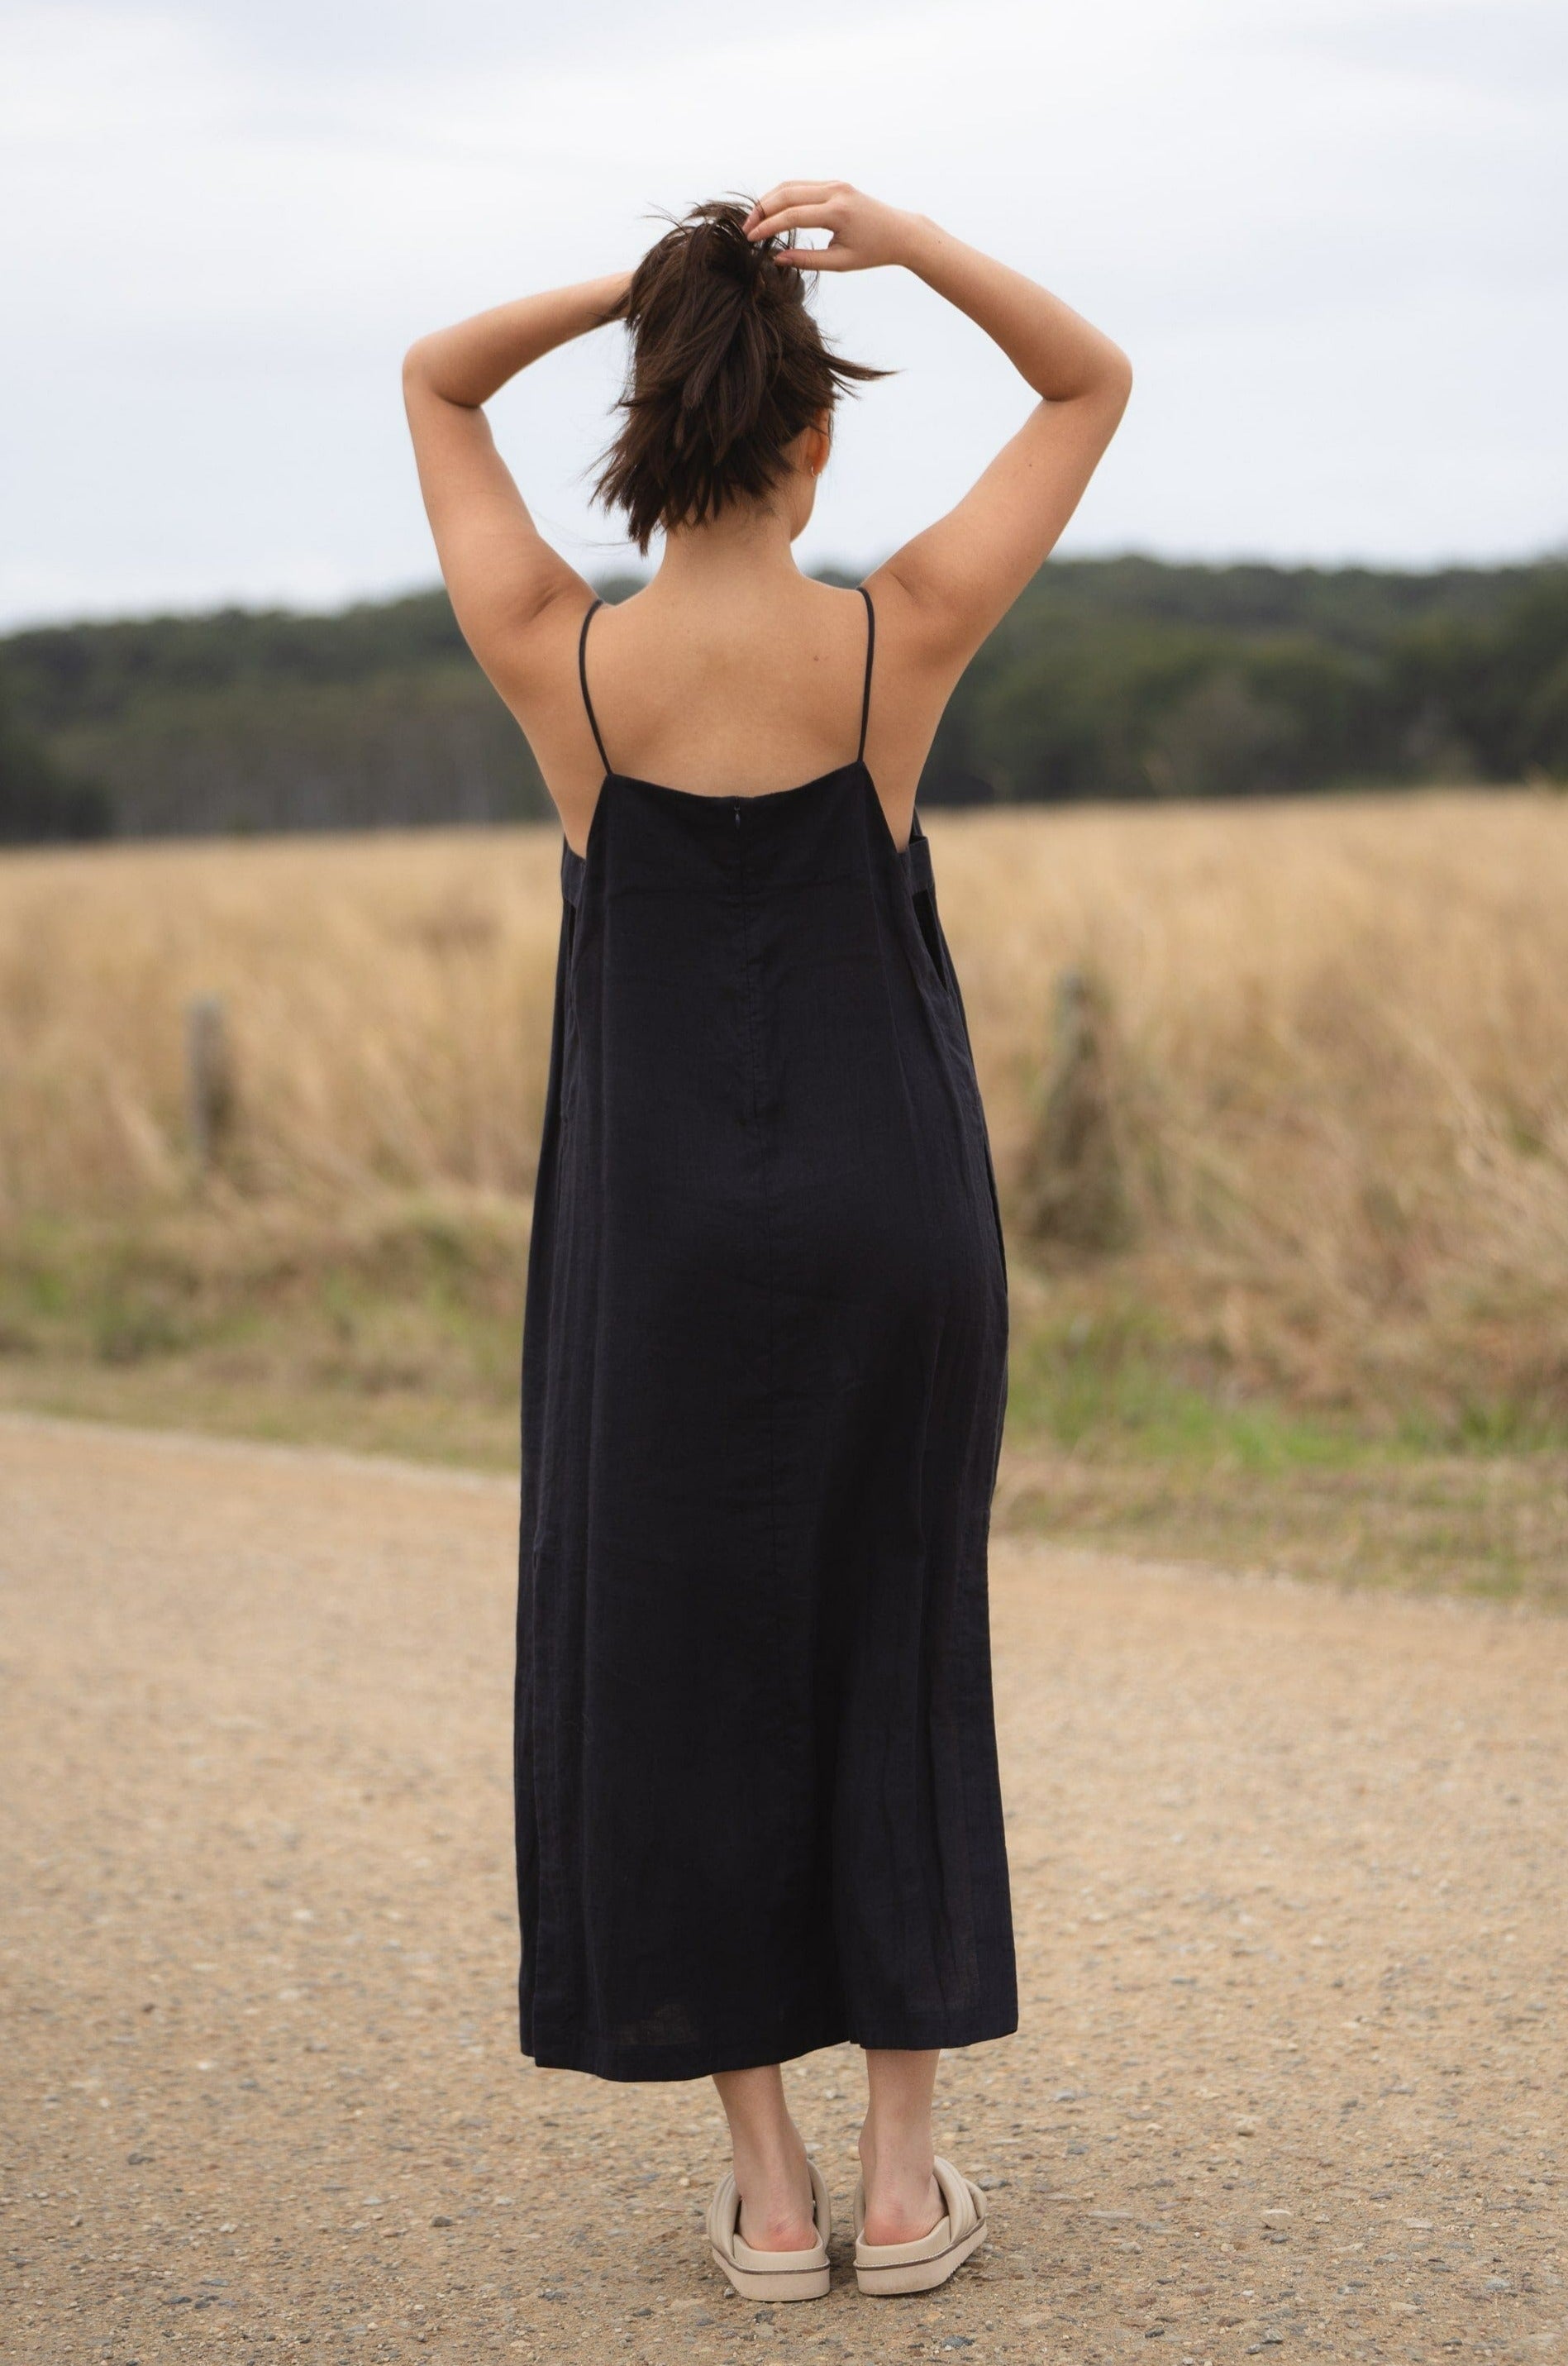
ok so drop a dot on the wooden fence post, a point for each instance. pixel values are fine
(1073, 1190)
(210, 1081)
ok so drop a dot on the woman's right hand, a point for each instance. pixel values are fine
(864, 231)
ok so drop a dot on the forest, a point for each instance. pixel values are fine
(1110, 679)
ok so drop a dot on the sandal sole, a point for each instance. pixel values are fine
(921, 2275)
(784, 2284)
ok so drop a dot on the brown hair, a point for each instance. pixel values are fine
(728, 366)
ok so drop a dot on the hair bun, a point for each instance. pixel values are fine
(727, 367)
(722, 246)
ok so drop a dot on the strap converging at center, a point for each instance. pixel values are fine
(582, 678)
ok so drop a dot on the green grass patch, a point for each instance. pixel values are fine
(1117, 1378)
(280, 1326)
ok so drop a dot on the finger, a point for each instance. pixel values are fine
(791, 193)
(832, 257)
(805, 217)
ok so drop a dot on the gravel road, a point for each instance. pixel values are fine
(1289, 1867)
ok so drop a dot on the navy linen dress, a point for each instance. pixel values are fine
(764, 1369)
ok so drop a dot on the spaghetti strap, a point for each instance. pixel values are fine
(582, 678)
(870, 652)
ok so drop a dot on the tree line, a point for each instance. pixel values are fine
(1119, 678)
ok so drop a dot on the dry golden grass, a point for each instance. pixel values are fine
(1341, 1085)
(1340, 1070)
(388, 998)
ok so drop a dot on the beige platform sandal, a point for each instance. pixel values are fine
(928, 2262)
(770, 2275)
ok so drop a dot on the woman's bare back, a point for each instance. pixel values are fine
(759, 692)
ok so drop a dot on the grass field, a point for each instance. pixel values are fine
(1332, 1331)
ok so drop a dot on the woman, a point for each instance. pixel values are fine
(765, 1343)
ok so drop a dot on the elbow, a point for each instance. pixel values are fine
(427, 375)
(1103, 384)
(1118, 377)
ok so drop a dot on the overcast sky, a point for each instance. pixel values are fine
(1329, 232)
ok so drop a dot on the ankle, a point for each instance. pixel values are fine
(903, 2200)
(896, 2149)
(777, 2204)
(783, 2223)
(903, 2209)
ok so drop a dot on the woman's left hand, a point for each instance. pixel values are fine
(865, 232)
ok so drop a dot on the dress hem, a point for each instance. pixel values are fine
(652, 2065)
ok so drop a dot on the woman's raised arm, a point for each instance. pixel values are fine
(499, 569)
(960, 576)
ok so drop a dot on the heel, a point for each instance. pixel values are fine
(770, 2275)
(887, 2268)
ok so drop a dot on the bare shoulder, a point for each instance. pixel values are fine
(917, 666)
(523, 660)
(533, 667)
(915, 637)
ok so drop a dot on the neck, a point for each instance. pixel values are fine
(742, 549)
